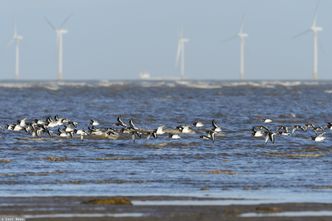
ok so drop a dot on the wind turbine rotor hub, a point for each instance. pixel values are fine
(243, 35)
(61, 31)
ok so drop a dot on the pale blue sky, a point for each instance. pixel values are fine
(116, 39)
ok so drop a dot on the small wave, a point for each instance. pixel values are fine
(51, 87)
(148, 84)
(71, 84)
(200, 84)
(16, 85)
(106, 83)
(264, 84)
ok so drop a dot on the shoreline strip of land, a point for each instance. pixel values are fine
(125, 208)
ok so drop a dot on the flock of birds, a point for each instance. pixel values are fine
(64, 128)
(316, 133)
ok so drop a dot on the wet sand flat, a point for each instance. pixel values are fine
(126, 208)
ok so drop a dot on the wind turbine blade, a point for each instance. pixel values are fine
(15, 28)
(314, 20)
(242, 24)
(302, 33)
(230, 38)
(316, 10)
(50, 24)
(66, 20)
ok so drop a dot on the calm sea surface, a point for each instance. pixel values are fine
(236, 165)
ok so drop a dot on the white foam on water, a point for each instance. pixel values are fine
(51, 87)
(211, 84)
(200, 84)
(264, 84)
(106, 83)
(15, 85)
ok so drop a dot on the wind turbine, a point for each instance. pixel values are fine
(242, 35)
(60, 31)
(315, 30)
(180, 53)
(17, 39)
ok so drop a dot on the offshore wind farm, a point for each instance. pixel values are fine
(172, 110)
(180, 55)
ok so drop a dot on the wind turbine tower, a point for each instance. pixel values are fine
(242, 35)
(60, 31)
(315, 29)
(180, 54)
(17, 39)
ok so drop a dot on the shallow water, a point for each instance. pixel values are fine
(290, 214)
(235, 163)
(82, 215)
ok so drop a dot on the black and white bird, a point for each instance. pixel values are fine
(120, 122)
(94, 123)
(185, 129)
(267, 120)
(96, 131)
(270, 136)
(69, 128)
(132, 125)
(198, 124)
(38, 131)
(135, 134)
(22, 122)
(283, 130)
(17, 127)
(62, 133)
(210, 136)
(10, 126)
(159, 130)
(151, 134)
(174, 136)
(319, 137)
(215, 127)
(329, 125)
(259, 131)
(262, 131)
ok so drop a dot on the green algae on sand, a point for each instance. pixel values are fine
(110, 201)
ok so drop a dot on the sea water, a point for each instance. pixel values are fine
(236, 165)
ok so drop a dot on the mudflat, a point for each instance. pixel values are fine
(155, 208)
